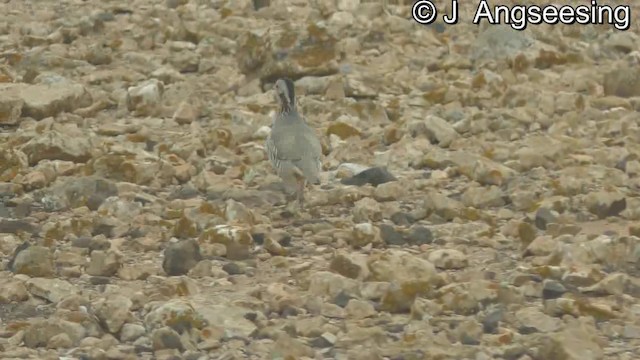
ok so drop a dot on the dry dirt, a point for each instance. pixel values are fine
(478, 199)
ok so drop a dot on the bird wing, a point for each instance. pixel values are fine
(302, 150)
(310, 163)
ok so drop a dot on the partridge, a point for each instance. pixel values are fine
(293, 147)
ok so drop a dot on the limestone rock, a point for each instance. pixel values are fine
(35, 261)
(10, 105)
(40, 101)
(144, 99)
(104, 263)
(181, 256)
(293, 52)
(448, 259)
(622, 81)
(113, 311)
(13, 291)
(478, 195)
(53, 290)
(55, 145)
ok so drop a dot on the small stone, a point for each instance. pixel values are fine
(349, 265)
(291, 348)
(631, 331)
(466, 298)
(186, 113)
(543, 218)
(310, 326)
(54, 290)
(342, 130)
(498, 42)
(577, 341)
(365, 234)
(367, 209)
(374, 176)
(60, 341)
(98, 55)
(583, 276)
(12, 291)
(552, 289)
(439, 131)
(99, 280)
(274, 248)
(10, 106)
(526, 233)
(58, 145)
(419, 235)
(555, 229)
(408, 275)
(237, 251)
(398, 300)
(448, 259)
(604, 204)
(233, 268)
(390, 235)
(441, 205)
(95, 243)
(325, 283)
(622, 81)
(144, 99)
(436, 129)
(335, 90)
(237, 212)
(131, 332)
(613, 284)
(166, 338)
(392, 134)
(402, 218)
(113, 311)
(424, 309)
(358, 309)
(342, 299)
(483, 197)
(34, 180)
(541, 246)
(532, 320)
(104, 263)
(389, 191)
(180, 257)
(492, 319)
(49, 99)
(346, 170)
(237, 240)
(40, 332)
(469, 332)
(35, 261)
(324, 341)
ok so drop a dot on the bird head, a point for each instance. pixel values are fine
(285, 93)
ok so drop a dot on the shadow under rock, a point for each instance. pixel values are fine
(24, 310)
(253, 198)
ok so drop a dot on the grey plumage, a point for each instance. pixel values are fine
(293, 147)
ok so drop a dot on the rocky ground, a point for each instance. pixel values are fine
(479, 195)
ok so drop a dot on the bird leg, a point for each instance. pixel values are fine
(300, 192)
(300, 184)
